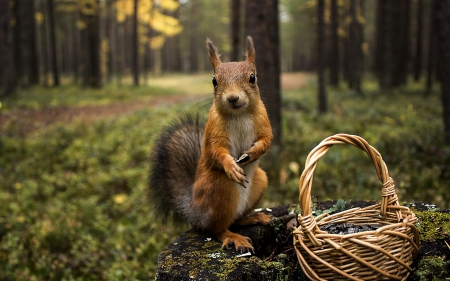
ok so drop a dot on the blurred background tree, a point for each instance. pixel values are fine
(373, 34)
(92, 42)
(86, 85)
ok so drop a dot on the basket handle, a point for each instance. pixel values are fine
(388, 193)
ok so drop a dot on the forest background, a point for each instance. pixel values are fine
(87, 85)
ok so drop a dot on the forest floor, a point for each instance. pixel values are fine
(190, 87)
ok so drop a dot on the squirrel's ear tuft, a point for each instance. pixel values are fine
(213, 54)
(250, 51)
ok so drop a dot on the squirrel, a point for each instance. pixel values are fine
(208, 174)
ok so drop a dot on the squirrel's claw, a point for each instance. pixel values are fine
(242, 244)
(235, 172)
(243, 158)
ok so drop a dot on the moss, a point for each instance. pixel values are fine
(433, 225)
(432, 268)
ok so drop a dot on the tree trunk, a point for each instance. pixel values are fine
(7, 68)
(235, 29)
(193, 38)
(419, 39)
(76, 48)
(392, 43)
(26, 51)
(120, 53)
(261, 23)
(444, 61)
(110, 34)
(92, 75)
(432, 40)
(53, 53)
(355, 56)
(322, 95)
(135, 44)
(402, 50)
(379, 35)
(334, 54)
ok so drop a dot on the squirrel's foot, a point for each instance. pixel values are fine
(256, 218)
(241, 243)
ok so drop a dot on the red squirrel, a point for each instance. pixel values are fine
(209, 175)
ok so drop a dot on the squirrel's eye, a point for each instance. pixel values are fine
(252, 79)
(214, 81)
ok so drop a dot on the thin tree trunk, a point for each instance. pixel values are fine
(91, 39)
(53, 53)
(262, 24)
(7, 67)
(135, 45)
(334, 54)
(419, 39)
(322, 95)
(26, 56)
(120, 55)
(444, 65)
(44, 45)
(193, 38)
(76, 48)
(235, 29)
(354, 45)
(432, 40)
(402, 52)
(110, 25)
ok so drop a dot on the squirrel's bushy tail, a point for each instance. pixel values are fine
(174, 160)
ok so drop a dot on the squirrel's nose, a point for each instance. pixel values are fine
(232, 99)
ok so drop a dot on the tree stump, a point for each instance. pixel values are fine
(199, 256)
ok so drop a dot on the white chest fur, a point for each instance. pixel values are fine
(242, 136)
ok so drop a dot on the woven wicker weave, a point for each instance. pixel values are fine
(382, 254)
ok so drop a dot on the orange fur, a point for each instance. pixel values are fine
(238, 124)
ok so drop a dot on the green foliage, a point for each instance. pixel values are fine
(405, 126)
(432, 268)
(339, 206)
(427, 225)
(71, 95)
(73, 202)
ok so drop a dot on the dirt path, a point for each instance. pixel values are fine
(24, 121)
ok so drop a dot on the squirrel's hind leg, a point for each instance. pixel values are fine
(241, 243)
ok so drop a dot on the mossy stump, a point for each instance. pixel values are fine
(199, 256)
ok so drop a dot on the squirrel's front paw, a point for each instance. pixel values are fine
(235, 172)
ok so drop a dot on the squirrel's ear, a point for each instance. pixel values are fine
(250, 50)
(213, 54)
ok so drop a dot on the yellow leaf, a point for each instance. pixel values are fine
(169, 5)
(120, 198)
(124, 8)
(157, 42)
(39, 18)
(81, 24)
(165, 24)
(88, 7)
(294, 167)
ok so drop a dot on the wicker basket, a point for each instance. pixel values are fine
(382, 254)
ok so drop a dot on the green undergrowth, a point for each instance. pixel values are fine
(404, 125)
(433, 225)
(432, 268)
(71, 95)
(73, 202)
